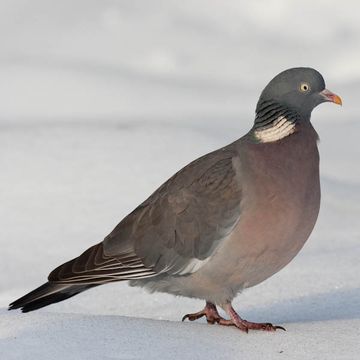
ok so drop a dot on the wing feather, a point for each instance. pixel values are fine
(178, 228)
(175, 231)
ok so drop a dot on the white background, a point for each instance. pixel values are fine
(102, 101)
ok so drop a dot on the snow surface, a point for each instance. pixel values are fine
(102, 101)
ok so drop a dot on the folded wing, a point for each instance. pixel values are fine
(175, 231)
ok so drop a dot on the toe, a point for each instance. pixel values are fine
(271, 327)
(193, 317)
(190, 317)
(185, 317)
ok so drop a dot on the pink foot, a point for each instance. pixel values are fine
(210, 311)
(245, 325)
(212, 317)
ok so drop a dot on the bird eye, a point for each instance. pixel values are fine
(304, 87)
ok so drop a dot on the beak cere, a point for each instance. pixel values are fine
(329, 96)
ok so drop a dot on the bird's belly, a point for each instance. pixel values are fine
(273, 238)
(274, 235)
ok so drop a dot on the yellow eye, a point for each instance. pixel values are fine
(304, 87)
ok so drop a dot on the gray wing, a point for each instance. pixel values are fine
(174, 231)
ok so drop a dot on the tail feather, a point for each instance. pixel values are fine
(47, 294)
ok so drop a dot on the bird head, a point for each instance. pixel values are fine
(299, 89)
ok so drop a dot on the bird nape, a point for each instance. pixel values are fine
(225, 222)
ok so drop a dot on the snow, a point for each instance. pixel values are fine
(90, 337)
(101, 102)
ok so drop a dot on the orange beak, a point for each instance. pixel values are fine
(329, 96)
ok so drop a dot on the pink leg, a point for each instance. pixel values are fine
(245, 325)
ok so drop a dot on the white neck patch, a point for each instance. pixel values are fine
(277, 130)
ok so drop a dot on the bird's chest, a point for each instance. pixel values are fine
(281, 198)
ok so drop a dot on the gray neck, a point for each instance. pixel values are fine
(273, 121)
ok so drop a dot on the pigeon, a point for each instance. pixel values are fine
(225, 222)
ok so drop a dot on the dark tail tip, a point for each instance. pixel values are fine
(46, 294)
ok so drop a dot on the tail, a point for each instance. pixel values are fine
(90, 269)
(46, 294)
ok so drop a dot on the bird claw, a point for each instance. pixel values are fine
(243, 324)
(271, 327)
(280, 328)
(193, 317)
